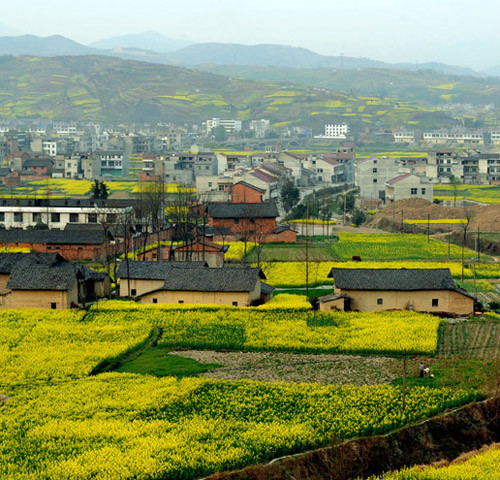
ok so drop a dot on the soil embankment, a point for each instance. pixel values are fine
(444, 437)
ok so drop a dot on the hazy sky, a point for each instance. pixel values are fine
(452, 31)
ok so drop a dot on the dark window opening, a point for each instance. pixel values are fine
(181, 301)
(133, 292)
(435, 302)
(235, 304)
(380, 301)
(155, 300)
(53, 305)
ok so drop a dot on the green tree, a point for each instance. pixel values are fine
(99, 190)
(358, 217)
(219, 133)
(290, 195)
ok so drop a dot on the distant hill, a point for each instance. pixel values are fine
(112, 89)
(153, 47)
(292, 57)
(423, 86)
(265, 55)
(43, 46)
(149, 40)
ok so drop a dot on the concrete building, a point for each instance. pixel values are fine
(402, 135)
(371, 175)
(408, 186)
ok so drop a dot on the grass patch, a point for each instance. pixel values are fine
(161, 363)
(469, 373)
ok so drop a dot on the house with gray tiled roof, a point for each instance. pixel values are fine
(421, 289)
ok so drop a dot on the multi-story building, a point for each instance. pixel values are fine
(56, 213)
(402, 135)
(458, 135)
(260, 127)
(408, 186)
(339, 130)
(230, 125)
(371, 175)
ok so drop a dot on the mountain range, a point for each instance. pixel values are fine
(156, 48)
(103, 88)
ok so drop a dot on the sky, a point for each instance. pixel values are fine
(457, 32)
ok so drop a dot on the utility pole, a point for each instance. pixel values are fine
(404, 380)
(449, 238)
(402, 220)
(345, 200)
(428, 228)
(307, 250)
(478, 245)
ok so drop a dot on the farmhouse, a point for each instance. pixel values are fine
(369, 290)
(239, 287)
(47, 280)
(191, 282)
(143, 277)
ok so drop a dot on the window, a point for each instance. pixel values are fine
(235, 304)
(2, 216)
(374, 180)
(374, 170)
(18, 217)
(133, 292)
(111, 217)
(55, 217)
(435, 302)
(53, 305)
(155, 300)
(92, 218)
(423, 191)
(380, 301)
(414, 191)
(181, 301)
(374, 162)
(236, 221)
(37, 217)
(73, 217)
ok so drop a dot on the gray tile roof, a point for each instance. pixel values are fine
(243, 210)
(25, 276)
(392, 279)
(9, 260)
(212, 280)
(55, 237)
(153, 270)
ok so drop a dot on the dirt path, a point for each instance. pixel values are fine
(289, 367)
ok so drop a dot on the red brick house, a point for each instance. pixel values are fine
(247, 216)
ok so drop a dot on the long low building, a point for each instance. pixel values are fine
(58, 212)
(190, 282)
(72, 245)
(368, 290)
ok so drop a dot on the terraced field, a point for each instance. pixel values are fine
(472, 339)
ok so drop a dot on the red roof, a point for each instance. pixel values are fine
(398, 178)
(265, 177)
(330, 161)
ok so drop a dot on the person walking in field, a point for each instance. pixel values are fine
(422, 368)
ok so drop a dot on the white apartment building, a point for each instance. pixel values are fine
(495, 136)
(230, 125)
(404, 136)
(260, 127)
(49, 148)
(456, 136)
(340, 130)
